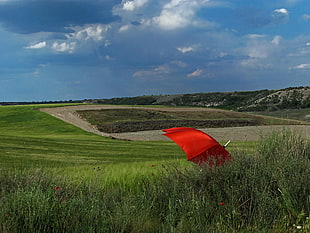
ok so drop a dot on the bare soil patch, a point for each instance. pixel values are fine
(245, 133)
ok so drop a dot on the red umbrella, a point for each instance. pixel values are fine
(199, 147)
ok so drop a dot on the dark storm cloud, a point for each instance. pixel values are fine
(54, 16)
(108, 48)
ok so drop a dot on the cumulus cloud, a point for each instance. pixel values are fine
(185, 49)
(178, 14)
(305, 17)
(95, 32)
(124, 28)
(39, 45)
(302, 66)
(281, 11)
(260, 51)
(280, 15)
(166, 15)
(276, 40)
(196, 73)
(64, 46)
(128, 12)
(82, 37)
(257, 48)
(133, 5)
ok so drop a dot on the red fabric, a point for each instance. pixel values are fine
(198, 146)
(215, 156)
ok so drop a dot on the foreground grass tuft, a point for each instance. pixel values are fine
(267, 191)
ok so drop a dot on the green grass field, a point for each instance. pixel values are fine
(32, 139)
(55, 177)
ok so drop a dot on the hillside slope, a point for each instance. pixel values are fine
(289, 98)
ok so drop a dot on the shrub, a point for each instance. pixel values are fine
(267, 191)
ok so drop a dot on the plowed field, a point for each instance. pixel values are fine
(245, 133)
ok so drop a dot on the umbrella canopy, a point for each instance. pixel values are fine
(199, 147)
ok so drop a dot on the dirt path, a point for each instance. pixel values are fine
(247, 133)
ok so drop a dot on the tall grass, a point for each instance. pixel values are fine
(265, 191)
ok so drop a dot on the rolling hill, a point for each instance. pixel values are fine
(261, 100)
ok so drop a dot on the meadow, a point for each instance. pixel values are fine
(55, 177)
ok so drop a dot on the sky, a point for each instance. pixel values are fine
(92, 49)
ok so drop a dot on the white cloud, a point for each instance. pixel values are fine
(196, 73)
(298, 50)
(36, 74)
(95, 32)
(124, 28)
(178, 14)
(39, 45)
(167, 14)
(261, 46)
(255, 36)
(180, 64)
(280, 16)
(302, 66)
(81, 37)
(281, 11)
(258, 51)
(108, 58)
(276, 40)
(134, 4)
(185, 49)
(222, 54)
(305, 17)
(64, 47)
(157, 71)
(163, 69)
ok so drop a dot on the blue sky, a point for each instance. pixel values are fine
(82, 49)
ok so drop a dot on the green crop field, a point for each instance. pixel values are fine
(55, 177)
(32, 139)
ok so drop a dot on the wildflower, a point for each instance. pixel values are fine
(56, 188)
(153, 165)
(298, 227)
(221, 203)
